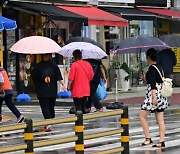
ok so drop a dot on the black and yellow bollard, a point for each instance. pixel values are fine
(29, 136)
(125, 133)
(79, 129)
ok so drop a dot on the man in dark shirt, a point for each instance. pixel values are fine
(45, 76)
(167, 59)
(98, 73)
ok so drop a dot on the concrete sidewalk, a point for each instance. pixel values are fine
(135, 96)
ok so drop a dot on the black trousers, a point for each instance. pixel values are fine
(80, 104)
(93, 96)
(47, 107)
(10, 105)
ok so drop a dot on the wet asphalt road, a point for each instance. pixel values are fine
(172, 119)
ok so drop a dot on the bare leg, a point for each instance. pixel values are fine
(143, 119)
(162, 129)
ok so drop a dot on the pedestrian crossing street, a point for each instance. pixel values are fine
(172, 119)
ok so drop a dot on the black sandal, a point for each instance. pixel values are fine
(147, 139)
(159, 145)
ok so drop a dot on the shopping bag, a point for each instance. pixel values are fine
(101, 90)
(64, 94)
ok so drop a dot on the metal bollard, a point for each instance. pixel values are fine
(125, 133)
(29, 136)
(79, 129)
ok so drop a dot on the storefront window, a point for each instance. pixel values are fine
(140, 27)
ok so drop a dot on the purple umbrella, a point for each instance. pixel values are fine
(139, 43)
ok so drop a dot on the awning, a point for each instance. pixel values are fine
(49, 10)
(164, 12)
(131, 13)
(96, 16)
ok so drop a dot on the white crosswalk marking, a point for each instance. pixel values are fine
(94, 126)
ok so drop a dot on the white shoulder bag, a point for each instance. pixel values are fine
(166, 89)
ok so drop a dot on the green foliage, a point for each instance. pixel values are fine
(116, 65)
(125, 67)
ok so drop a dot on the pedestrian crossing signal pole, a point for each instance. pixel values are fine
(79, 129)
(125, 133)
(29, 136)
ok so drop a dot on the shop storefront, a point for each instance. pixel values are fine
(19, 66)
(41, 19)
(140, 23)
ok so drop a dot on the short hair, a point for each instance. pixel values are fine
(77, 54)
(152, 54)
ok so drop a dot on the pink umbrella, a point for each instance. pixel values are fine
(35, 45)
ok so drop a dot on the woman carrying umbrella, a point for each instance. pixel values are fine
(154, 101)
(98, 73)
(89, 50)
(45, 76)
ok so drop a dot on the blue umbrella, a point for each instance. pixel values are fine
(7, 24)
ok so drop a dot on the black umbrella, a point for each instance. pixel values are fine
(171, 40)
(139, 43)
(84, 39)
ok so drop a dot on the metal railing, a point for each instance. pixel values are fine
(29, 143)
